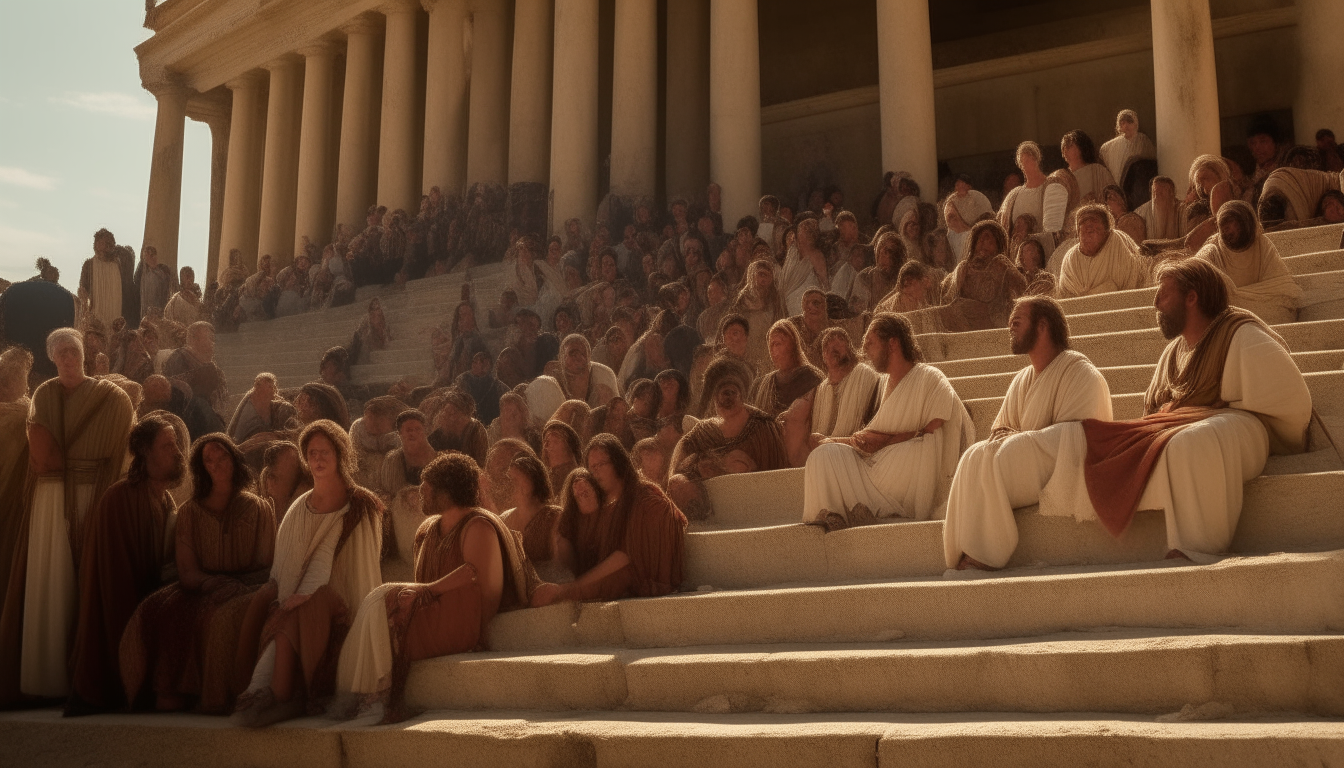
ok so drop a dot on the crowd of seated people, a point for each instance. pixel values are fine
(303, 553)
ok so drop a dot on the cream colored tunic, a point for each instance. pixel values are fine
(1116, 267)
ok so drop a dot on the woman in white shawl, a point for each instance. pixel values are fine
(901, 464)
(1104, 260)
(804, 268)
(1127, 146)
(1259, 280)
(1081, 154)
(1028, 196)
(327, 554)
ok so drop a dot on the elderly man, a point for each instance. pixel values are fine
(901, 464)
(738, 438)
(1103, 261)
(77, 433)
(194, 365)
(1225, 394)
(105, 285)
(578, 376)
(127, 551)
(995, 475)
(1258, 280)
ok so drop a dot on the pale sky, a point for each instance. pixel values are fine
(76, 131)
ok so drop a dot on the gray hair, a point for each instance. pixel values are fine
(64, 336)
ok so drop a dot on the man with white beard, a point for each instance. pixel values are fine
(1225, 394)
(1059, 386)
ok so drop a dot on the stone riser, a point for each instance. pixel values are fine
(1096, 672)
(1301, 594)
(656, 740)
(1310, 240)
(1280, 513)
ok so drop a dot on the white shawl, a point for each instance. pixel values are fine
(838, 409)
(1259, 280)
(1116, 267)
(1069, 389)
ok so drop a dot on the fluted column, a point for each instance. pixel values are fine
(634, 100)
(242, 185)
(279, 175)
(219, 168)
(163, 207)
(574, 160)
(488, 133)
(687, 150)
(530, 99)
(446, 83)
(357, 169)
(313, 216)
(905, 75)
(398, 140)
(1320, 93)
(735, 106)
(1185, 85)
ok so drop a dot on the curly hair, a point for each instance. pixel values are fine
(201, 482)
(456, 476)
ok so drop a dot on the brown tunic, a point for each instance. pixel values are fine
(761, 439)
(645, 525)
(773, 394)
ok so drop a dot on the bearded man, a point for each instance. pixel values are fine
(105, 285)
(127, 553)
(996, 475)
(1103, 261)
(1225, 394)
(1258, 279)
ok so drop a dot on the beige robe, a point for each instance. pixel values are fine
(1093, 179)
(1116, 267)
(909, 479)
(1117, 153)
(839, 410)
(1260, 281)
(1070, 389)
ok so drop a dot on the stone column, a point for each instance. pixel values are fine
(530, 95)
(1185, 85)
(488, 133)
(313, 216)
(445, 163)
(687, 149)
(905, 75)
(634, 99)
(242, 185)
(279, 175)
(574, 160)
(1320, 94)
(219, 165)
(735, 106)
(163, 208)
(356, 174)
(398, 140)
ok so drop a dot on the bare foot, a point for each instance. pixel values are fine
(969, 563)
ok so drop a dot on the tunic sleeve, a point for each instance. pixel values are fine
(1261, 377)
(1084, 394)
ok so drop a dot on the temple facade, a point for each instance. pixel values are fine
(320, 108)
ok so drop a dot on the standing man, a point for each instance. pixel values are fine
(105, 285)
(154, 282)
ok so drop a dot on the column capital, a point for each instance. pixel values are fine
(395, 7)
(250, 79)
(164, 83)
(320, 47)
(364, 23)
(286, 61)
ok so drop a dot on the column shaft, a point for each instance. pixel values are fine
(313, 216)
(574, 160)
(488, 133)
(905, 75)
(279, 176)
(219, 165)
(398, 145)
(530, 99)
(634, 107)
(446, 83)
(735, 106)
(687, 98)
(242, 185)
(163, 208)
(1320, 95)
(357, 170)
(1185, 85)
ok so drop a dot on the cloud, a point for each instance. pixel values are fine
(21, 178)
(15, 241)
(109, 103)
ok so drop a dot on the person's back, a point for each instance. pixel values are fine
(31, 310)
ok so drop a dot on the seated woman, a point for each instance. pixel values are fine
(536, 519)
(456, 427)
(180, 642)
(628, 537)
(578, 376)
(844, 401)
(612, 418)
(732, 341)
(468, 568)
(1256, 276)
(738, 438)
(326, 562)
(652, 460)
(760, 303)
(1030, 261)
(284, 478)
(514, 422)
(560, 451)
(792, 378)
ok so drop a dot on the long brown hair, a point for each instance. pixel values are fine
(201, 482)
(340, 442)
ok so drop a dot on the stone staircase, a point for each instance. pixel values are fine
(793, 647)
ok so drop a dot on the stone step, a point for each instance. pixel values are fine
(1299, 593)
(1124, 671)
(1292, 242)
(983, 351)
(1280, 513)
(670, 740)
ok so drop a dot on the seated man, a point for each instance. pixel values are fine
(1225, 393)
(194, 365)
(844, 401)
(374, 435)
(1060, 385)
(578, 376)
(534, 347)
(456, 427)
(1258, 280)
(1104, 260)
(811, 323)
(793, 377)
(901, 464)
(1294, 197)
(261, 410)
(484, 387)
(738, 438)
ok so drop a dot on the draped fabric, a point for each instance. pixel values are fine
(760, 440)
(774, 392)
(840, 409)
(1261, 282)
(1021, 200)
(1120, 151)
(1301, 190)
(797, 277)
(1116, 267)
(645, 525)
